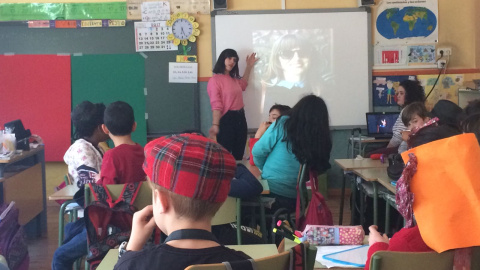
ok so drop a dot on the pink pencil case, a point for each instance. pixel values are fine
(334, 235)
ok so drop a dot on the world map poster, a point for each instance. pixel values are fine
(407, 22)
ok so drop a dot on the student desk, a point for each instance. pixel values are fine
(358, 141)
(65, 193)
(254, 251)
(379, 175)
(372, 175)
(348, 165)
(22, 179)
(290, 244)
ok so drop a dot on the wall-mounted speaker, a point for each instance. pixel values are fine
(362, 3)
(219, 4)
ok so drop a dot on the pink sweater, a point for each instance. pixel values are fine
(226, 92)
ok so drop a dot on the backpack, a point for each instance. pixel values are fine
(318, 212)
(395, 166)
(108, 223)
(13, 240)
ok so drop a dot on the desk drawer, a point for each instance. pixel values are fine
(25, 188)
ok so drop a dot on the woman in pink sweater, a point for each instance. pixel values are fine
(225, 88)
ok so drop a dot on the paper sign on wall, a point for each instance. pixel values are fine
(152, 36)
(183, 73)
(155, 11)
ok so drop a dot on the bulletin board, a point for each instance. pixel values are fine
(171, 107)
(111, 77)
(36, 90)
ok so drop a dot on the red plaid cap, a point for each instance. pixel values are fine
(190, 165)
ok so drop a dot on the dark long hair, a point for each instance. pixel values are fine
(307, 133)
(432, 133)
(219, 67)
(413, 92)
(86, 117)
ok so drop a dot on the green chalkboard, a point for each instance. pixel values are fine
(111, 77)
(171, 107)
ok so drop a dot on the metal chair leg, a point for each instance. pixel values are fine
(342, 200)
(375, 203)
(387, 216)
(239, 229)
(263, 222)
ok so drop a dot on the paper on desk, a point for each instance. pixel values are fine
(324, 250)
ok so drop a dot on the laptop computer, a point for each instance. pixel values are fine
(380, 124)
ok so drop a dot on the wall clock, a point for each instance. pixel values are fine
(184, 28)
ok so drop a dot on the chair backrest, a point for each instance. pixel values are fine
(278, 261)
(227, 212)
(302, 188)
(144, 196)
(382, 260)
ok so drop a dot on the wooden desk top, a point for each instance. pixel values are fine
(254, 251)
(371, 174)
(349, 164)
(23, 155)
(65, 193)
(377, 174)
(385, 181)
(370, 140)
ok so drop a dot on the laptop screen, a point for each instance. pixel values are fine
(380, 124)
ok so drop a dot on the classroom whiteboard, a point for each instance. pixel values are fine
(327, 52)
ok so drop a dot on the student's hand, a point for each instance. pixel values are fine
(142, 228)
(375, 237)
(213, 131)
(405, 134)
(261, 129)
(252, 59)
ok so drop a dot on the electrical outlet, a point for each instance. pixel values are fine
(441, 63)
(446, 51)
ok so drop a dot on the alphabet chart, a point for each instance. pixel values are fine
(152, 36)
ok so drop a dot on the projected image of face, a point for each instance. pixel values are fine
(292, 63)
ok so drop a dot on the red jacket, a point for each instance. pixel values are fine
(406, 240)
(122, 164)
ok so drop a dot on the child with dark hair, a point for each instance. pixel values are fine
(414, 116)
(275, 112)
(302, 136)
(84, 157)
(473, 107)
(122, 164)
(443, 159)
(84, 160)
(471, 124)
(448, 113)
(408, 92)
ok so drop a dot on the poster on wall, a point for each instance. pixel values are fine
(407, 22)
(134, 10)
(385, 89)
(406, 32)
(446, 88)
(152, 36)
(421, 54)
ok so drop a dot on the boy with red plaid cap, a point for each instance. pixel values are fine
(190, 177)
